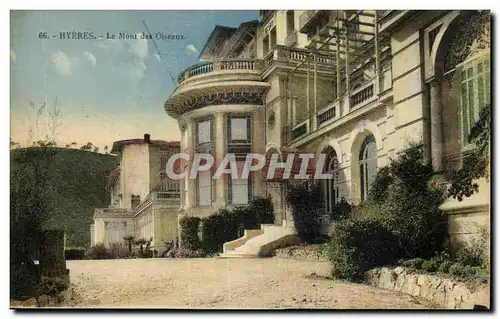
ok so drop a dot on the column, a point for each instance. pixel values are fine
(220, 153)
(436, 125)
(190, 197)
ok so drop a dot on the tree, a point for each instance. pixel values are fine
(306, 204)
(96, 149)
(106, 149)
(475, 164)
(129, 240)
(87, 147)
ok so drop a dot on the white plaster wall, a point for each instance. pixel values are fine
(135, 173)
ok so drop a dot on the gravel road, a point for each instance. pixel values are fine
(223, 283)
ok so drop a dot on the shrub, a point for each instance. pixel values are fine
(430, 265)
(340, 210)
(185, 253)
(98, 251)
(189, 232)
(217, 229)
(51, 285)
(404, 198)
(262, 208)
(306, 203)
(74, 253)
(444, 267)
(415, 263)
(475, 253)
(359, 245)
(118, 251)
(464, 271)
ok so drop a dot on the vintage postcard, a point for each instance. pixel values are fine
(259, 159)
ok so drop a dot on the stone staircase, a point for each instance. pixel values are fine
(260, 242)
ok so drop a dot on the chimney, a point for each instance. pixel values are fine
(147, 138)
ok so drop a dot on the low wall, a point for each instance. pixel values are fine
(445, 292)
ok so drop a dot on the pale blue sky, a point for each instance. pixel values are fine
(106, 90)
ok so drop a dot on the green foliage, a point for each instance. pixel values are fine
(51, 286)
(475, 164)
(189, 232)
(475, 252)
(98, 251)
(415, 263)
(407, 204)
(219, 228)
(30, 206)
(444, 267)
(341, 210)
(431, 265)
(74, 253)
(130, 241)
(262, 208)
(75, 185)
(223, 226)
(464, 271)
(306, 203)
(118, 251)
(359, 245)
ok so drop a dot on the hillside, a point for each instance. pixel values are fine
(77, 182)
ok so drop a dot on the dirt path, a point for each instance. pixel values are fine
(223, 283)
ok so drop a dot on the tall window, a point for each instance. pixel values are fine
(290, 21)
(239, 190)
(331, 186)
(204, 132)
(115, 231)
(204, 188)
(475, 92)
(367, 164)
(135, 200)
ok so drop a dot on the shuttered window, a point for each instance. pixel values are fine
(239, 189)
(204, 189)
(475, 93)
(203, 132)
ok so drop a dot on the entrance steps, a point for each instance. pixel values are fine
(260, 242)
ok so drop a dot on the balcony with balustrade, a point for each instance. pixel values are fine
(232, 81)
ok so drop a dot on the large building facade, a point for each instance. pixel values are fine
(144, 201)
(359, 86)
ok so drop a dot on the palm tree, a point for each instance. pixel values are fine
(141, 242)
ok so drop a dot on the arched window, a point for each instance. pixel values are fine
(331, 186)
(367, 164)
(115, 231)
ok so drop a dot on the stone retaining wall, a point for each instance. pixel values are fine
(445, 292)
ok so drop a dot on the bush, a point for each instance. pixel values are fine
(404, 198)
(464, 271)
(223, 226)
(189, 232)
(306, 203)
(262, 208)
(340, 210)
(430, 265)
(217, 229)
(98, 251)
(415, 263)
(51, 286)
(359, 245)
(74, 253)
(118, 251)
(185, 253)
(444, 267)
(475, 253)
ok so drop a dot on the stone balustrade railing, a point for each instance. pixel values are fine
(208, 67)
